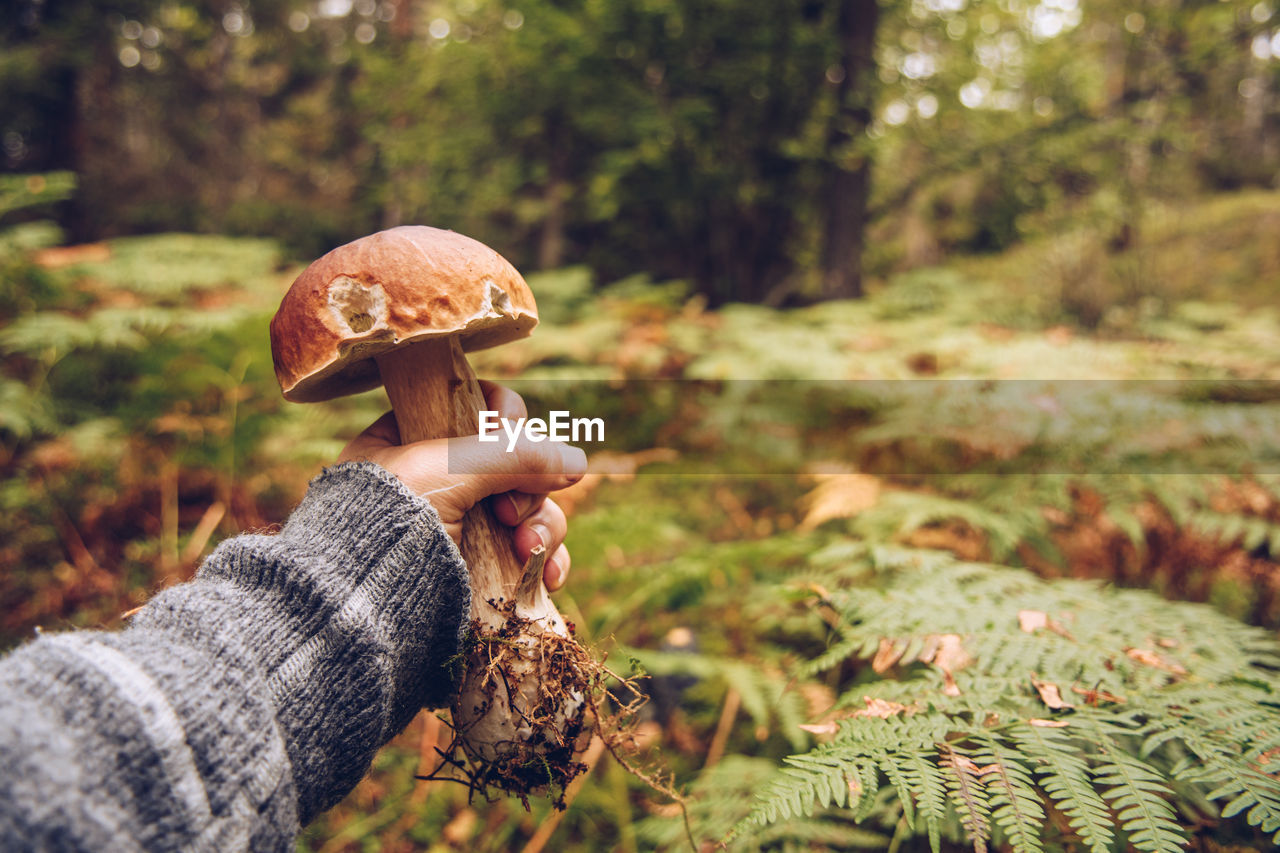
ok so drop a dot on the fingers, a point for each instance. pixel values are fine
(556, 571)
(511, 508)
(501, 399)
(533, 468)
(384, 432)
(455, 474)
(547, 527)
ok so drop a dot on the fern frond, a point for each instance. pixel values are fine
(50, 331)
(846, 773)
(1137, 792)
(721, 797)
(894, 734)
(929, 790)
(1256, 790)
(967, 794)
(891, 767)
(23, 413)
(1173, 706)
(1063, 773)
(812, 781)
(1015, 803)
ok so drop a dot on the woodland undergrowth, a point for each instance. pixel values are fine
(939, 614)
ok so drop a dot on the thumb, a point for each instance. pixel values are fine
(489, 468)
(379, 435)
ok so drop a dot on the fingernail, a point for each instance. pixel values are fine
(575, 461)
(519, 505)
(542, 532)
(552, 574)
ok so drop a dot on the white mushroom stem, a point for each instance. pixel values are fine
(435, 394)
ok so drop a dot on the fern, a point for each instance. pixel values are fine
(22, 413)
(1215, 733)
(819, 778)
(1137, 792)
(719, 798)
(1063, 773)
(847, 771)
(1016, 806)
(928, 787)
(168, 267)
(967, 795)
(975, 731)
(1244, 787)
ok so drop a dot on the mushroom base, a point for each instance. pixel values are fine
(528, 708)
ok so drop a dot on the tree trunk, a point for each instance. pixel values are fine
(1136, 147)
(551, 240)
(402, 23)
(849, 181)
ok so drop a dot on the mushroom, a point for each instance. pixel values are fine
(400, 308)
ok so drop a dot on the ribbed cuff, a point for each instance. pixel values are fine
(401, 580)
(351, 616)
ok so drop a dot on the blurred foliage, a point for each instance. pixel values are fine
(133, 380)
(696, 140)
(1061, 190)
(141, 423)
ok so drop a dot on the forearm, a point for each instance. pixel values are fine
(237, 706)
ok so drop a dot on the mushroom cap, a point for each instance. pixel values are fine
(386, 290)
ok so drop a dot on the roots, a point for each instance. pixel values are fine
(523, 714)
(531, 702)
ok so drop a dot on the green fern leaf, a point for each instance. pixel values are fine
(967, 795)
(1178, 705)
(1064, 775)
(1138, 794)
(23, 413)
(812, 781)
(1015, 803)
(892, 769)
(928, 785)
(1259, 792)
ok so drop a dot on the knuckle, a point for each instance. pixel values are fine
(555, 517)
(509, 403)
(532, 458)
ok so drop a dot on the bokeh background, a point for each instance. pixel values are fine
(1022, 193)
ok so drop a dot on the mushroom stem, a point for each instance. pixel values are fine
(435, 394)
(432, 388)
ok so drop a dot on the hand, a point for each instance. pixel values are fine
(457, 473)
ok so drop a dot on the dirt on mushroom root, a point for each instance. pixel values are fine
(569, 677)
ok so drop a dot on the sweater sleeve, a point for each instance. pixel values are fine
(236, 707)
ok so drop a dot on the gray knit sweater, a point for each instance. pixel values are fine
(236, 707)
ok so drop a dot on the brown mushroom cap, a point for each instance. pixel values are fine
(388, 289)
